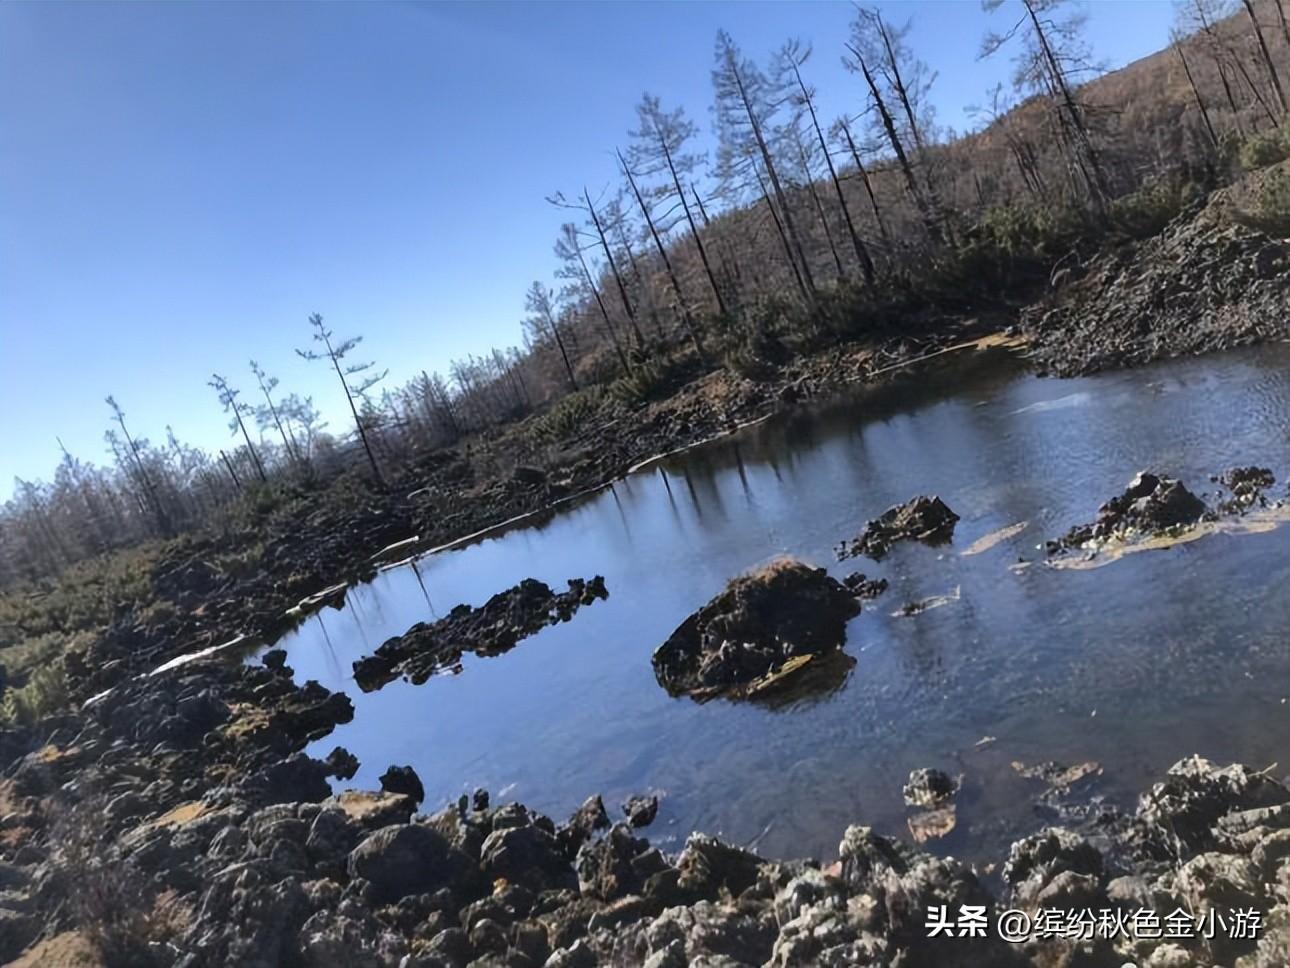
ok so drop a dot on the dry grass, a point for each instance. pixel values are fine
(71, 949)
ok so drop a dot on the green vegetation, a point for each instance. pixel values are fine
(1273, 214)
(45, 693)
(1265, 149)
(1148, 210)
(570, 415)
(653, 378)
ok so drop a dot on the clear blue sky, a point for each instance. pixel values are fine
(182, 183)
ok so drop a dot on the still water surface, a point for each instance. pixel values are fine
(1133, 665)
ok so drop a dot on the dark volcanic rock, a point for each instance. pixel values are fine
(582, 826)
(296, 778)
(1151, 504)
(641, 811)
(492, 629)
(863, 587)
(929, 788)
(403, 779)
(342, 763)
(1246, 485)
(402, 859)
(783, 613)
(926, 519)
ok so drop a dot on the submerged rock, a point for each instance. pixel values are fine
(767, 623)
(926, 519)
(1151, 504)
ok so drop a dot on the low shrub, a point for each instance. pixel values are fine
(45, 693)
(1261, 150)
(125, 919)
(1274, 203)
(568, 416)
(650, 379)
(1153, 206)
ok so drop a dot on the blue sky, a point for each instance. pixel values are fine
(182, 184)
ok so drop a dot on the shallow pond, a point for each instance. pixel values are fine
(1132, 665)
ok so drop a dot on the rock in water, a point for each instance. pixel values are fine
(929, 788)
(492, 629)
(773, 619)
(403, 779)
(641, 810)
(921, 519)
(1247, 485)
(1150, 505)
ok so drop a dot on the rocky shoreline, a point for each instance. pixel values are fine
(1214, 278)
(176, 822)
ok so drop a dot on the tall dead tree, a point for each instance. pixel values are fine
(588, 207)
(539, 302)
(743, 112)
(687, 318)
(334, 353)
(1052, 53)
(843, 127)
(151, 500)
(267, 386)
(228, 400)
(900, 84)
(1266, 55)
(791, 58)
(568, 249)
(792, 135)
(658, 148)
(1195, 91)
(888, 123)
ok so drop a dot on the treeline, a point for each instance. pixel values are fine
(783, 226)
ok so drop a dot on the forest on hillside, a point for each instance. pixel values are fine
(777, 232)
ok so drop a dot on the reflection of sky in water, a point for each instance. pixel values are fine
(1132, 665)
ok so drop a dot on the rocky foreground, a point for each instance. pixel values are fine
(176, 822)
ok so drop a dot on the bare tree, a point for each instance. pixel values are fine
(228, 399)
(1052, 54)
(1195, 91)
(686, 317)
(896, 77)
(659, 149)
(1268, 65)
(744, 111)
(568, 249)
(587, 206)
(270, 411)
(334, 353)
(540, 302)
(791, 58)
(842, 128)
(145, 479)
(857, 63)
(999, 113)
